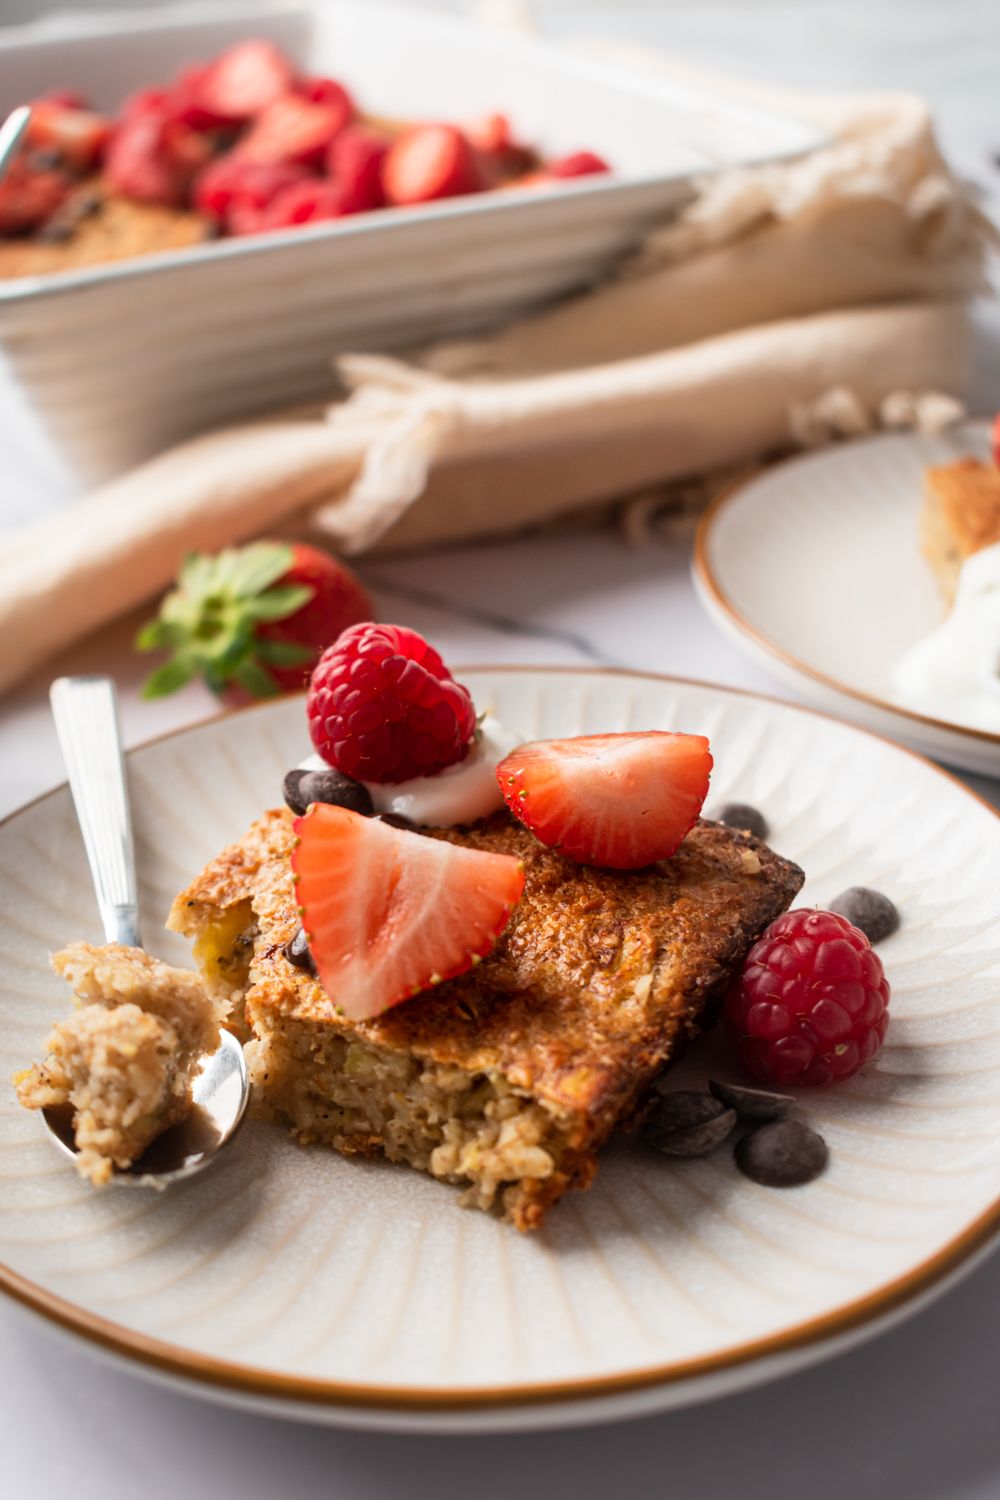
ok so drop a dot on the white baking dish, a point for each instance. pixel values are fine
(115, 362)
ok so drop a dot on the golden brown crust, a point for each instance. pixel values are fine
(960, 516)
(114, 229)
(600, 977)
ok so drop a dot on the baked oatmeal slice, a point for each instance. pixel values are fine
(960, 516)
(124, 1061)
(506, 1080)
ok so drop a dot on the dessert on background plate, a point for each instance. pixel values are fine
(125, 1059)
(955, 670)
(242, 144)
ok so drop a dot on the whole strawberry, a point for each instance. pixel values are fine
(251, 621)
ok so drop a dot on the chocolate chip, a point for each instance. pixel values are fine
(338, 790)
(741, 815)
(785, 1154)
(290, 788)
(757, 1105)
(868, 910)
(685, 1123)
(297, 952)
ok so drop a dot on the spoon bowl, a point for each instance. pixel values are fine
(86, 718)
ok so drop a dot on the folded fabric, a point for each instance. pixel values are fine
(846, 272)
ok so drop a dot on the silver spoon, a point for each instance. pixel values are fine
(86, 716)
(11, 135)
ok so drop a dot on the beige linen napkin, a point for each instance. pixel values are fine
(785, 303)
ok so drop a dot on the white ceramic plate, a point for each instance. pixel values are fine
(361, 1293)
(120, 360)
(814, 568)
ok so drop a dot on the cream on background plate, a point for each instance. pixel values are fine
(814, 567)
(360, 1293)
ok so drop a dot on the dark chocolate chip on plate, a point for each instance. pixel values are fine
(783, 1154)
(298, 953)
(870, 911)
(685, 1123)
(741, 815)
(290, 790)
(756, 1105)
(336, 789)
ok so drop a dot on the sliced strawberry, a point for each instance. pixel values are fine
(307, 202)
(230, 186)
(77, 136)
(243, 81)
(327, 91)
(355, 162)
(501, 155)
(292, 129)
(144, 102)
(154, 158)
(189, 99)
(618, 800)
(579, 164)
(429, 162)
(388, 913)
(28, 198)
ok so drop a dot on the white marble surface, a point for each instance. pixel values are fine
(911, 1415)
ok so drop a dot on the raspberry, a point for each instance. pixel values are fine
(382, 706)
(811, 1003)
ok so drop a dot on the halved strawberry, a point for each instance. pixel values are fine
(233, 189)
(292, 129)
(77, 136)
(327, 91)
(388, 913)
(618, 800)
(578, 164)
(29, 197)
(355, 162)
(153, 158)
(243, 81)
(429, 162)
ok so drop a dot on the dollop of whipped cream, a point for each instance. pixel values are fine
(954, 673)
(459, 794)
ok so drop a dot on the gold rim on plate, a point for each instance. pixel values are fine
(250, 1380)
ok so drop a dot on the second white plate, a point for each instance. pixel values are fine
(814, 568)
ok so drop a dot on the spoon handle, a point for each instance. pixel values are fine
(86, 714)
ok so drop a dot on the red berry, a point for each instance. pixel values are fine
(229, 185)
(78, 136)
(428, 162)
(153, 158)
(579, 164)
(388, 913)
(355, 162)
(327, 91)
(292, 129)
(28, 198)
(501, 155)
(383, 706)
(189, 100)
(252, 620)
(307, 202)
(811, 1003)
(243, 81)
(617, 800)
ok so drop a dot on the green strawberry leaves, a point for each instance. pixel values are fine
(209, 622)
